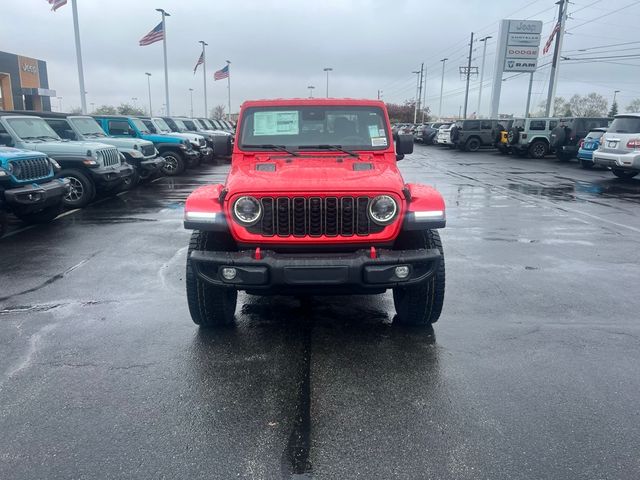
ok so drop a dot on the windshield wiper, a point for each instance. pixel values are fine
(270, 146)
(329, 147)
(44, 137)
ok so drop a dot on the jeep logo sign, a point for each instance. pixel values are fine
(29, 68)
(522, 52)
(525, 26)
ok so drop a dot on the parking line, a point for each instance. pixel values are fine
(156, 180)
(24, 229)
(67, 213)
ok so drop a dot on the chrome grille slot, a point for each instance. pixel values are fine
(32, 168)
(110, 157)
(315, 217)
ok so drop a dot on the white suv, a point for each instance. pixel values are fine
(444, 135)
(620, 147)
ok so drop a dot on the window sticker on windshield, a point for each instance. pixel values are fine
(373, 131)
(276, 123)
(379, 142)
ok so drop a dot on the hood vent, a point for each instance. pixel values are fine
(266, 167)
(362, 166)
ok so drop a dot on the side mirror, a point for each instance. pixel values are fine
(404, 145)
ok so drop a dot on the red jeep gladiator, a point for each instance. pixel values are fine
(314, 204)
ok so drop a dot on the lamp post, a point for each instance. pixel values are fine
(614, 95)
(204, 74)
(93, 107)
(149, 87)
(484, 54)
(415, 101)
(135, 102)
(444, 61)
(191, 93)
(327, 70)
(311, 87)
(59, 103)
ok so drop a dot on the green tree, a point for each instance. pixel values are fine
(614, 110)
(105, 110)
(127, 109)
(634, 106)
(590, 105)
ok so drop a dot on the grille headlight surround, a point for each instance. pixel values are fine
(383, 209)
(14, 168)
(247, 210)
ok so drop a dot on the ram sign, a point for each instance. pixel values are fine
(519, 65)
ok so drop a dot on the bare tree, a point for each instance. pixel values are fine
(105, 110)
(218, 112)
(561, 108)
(590, 105)
(634, 106)
(126, 109)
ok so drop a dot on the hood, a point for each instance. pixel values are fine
(218, 132)
(9, 153)
(321, 174)
(192, 137)
(163, 138)
(124, 142)
(65, 148)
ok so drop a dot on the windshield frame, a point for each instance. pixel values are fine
(184, 122)
(140, 126)
(11, 121)
(325, 139)
(76, 122)
(158, 122)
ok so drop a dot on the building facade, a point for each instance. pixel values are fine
(24, 84)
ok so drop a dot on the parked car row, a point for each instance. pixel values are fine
(612, 143)
(49, 161)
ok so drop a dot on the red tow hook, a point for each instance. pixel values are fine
(258, 254)
(373, 254)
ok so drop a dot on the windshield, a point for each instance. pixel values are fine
(625, 125)
(198, 124)
(189, 125)
(87, 126)
(356, 128)
(149, 124)
(161, 125)
(207, 123)
(216, 124)
(142, 128)
(32, 128)
(180, 125)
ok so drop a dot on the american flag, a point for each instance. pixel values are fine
(153, 36)
(547, 46)
(200, 62)
(222, 73)
(56, 4)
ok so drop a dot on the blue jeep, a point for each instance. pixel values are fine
(28, 187)
(177, 152)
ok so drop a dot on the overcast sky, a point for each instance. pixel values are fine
(278, 48)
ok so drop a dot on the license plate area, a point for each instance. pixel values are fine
(316, 275)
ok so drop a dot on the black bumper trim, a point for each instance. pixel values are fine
(153, 164)
(109, 175)
(37, 194)
(281, 271)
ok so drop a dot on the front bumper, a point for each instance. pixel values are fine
(353, 272)
(110, 176)
(206, 153)
(152, 164)
(630, 161)
(37, 194)
(586, 155)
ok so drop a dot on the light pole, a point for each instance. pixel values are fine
(328, 69)
(166, 68)
(191, 93)
(311, 87)
(93, 107)
(614, 95)
(415, 100)
(59, 103)
(135, 102)
(484, 54)
(204, 74)
(444, 61)
(149, 87)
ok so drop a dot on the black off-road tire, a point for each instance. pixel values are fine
(420, 304)
(83, 190)
(623, 173)
(209, 305)
(513, 136)
(538, 149)
(174, 164)
(472, 145)
(45, 215)
(586, 164)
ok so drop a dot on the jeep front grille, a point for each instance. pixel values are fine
(32, 168)
(110, 156)
(202, 142)
(314, 217)
(148, 150)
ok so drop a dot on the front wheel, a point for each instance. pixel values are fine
(82, 189)
(421, 304)
(472, 145)
(624, 173)
(538, 149)
(209, 305)
(173, 164)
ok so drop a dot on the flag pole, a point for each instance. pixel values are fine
(83, 97)
(166, 68)
(204, 76)
(229, 88)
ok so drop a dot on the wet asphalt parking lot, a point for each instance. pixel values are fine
(532, 371)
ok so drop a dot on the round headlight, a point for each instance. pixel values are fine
(383, 209)
(247, 210)
(14, 169)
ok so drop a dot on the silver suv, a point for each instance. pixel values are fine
(620, 147)
(530, 136)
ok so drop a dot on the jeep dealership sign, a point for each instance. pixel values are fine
(518, 51)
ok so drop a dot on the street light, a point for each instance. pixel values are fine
(415, 101)
(59, 103)
(191, 93)
(484, 54)
(204, 76)
(614, 95)
(134, 100)
(311, 87)
(444, 61)
(327, 69)
(93, 107)
(149, 86)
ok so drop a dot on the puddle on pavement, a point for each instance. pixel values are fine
(624, 190)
